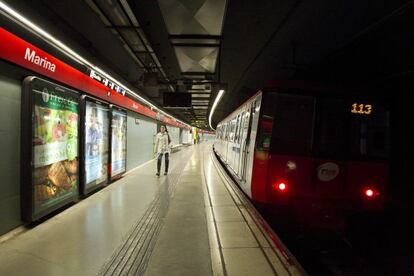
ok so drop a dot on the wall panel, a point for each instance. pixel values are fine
(140, 139)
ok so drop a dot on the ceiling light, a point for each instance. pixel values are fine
(213, 108)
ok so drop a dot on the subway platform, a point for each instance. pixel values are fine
(193, 221)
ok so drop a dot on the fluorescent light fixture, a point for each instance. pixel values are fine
(216, 101)
(72, 54)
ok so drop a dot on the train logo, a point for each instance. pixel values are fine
(327, 171)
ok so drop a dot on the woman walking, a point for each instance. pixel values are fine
(162, 147)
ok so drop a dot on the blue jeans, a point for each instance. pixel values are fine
(167, 161)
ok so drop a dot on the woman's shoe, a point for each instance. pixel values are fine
(165, 173)
(157, 174)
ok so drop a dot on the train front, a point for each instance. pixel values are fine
(321, 156)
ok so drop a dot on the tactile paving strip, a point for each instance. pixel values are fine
(132, 256)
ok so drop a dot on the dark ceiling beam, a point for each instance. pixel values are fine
(199, 91)
(195, 36)
(120, 33)
(123, 27)
(203, 45)
(159, 69)
(198, 73)
(143, 52)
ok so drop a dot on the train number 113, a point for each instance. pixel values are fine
(361, 108)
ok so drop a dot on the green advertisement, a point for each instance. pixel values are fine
(55, 147)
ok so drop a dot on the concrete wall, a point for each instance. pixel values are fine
(140, 139)
(174, 135)
(186, 137)
(10, 98)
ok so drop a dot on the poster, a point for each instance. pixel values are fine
(118, 136)
(96, 143)
(55, 146)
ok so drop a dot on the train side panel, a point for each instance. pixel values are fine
(236, 142)
(248, 158)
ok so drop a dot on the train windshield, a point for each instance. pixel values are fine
(291, 118)
(326, 127)
(348, 129)
(369, 133)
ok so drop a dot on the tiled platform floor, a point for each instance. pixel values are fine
(190, 222)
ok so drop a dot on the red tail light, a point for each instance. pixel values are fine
(280, 186)
(371, 192)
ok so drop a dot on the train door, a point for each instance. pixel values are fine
(230, 143)
(236, 147)
(226, 141)
(330, 148)
(217, 140)
(249, 151)
(222, 140)
(245, 138)
(240, 142)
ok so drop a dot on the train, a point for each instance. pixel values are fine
(318, 151)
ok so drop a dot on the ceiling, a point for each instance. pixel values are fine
(200, 46)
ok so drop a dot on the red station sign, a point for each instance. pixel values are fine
(20, 52)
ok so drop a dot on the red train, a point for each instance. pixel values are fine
(312, 149)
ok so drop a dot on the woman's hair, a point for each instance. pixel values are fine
(166, 130)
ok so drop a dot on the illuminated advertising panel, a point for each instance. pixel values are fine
(96, 144)
(118, 142)
(53, 147)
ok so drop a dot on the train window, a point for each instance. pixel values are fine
(246, 119)
(233, 129)
(291, 118)
(228, 131)
(369, 135)
(242, 119)
(236, 132)
(330, 137)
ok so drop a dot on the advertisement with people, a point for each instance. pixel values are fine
(55, 146)
(118, 152)
(96, 144)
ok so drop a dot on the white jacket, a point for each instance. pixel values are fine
(161, 143)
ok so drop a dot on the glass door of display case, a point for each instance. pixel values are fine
(95, 144)
(118, 142)
(49, 147)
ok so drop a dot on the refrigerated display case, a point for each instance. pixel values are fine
(49, 147)
(118, 142)
(95, 144)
